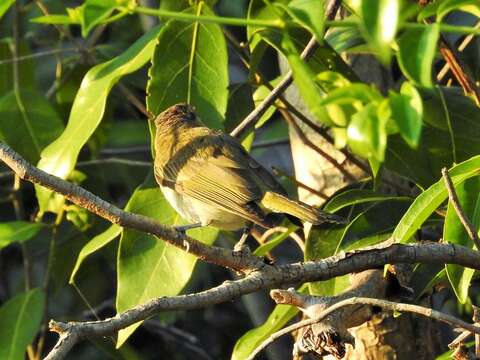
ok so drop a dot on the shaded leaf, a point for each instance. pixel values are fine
(444, 7)
(417, 50)
(355, 196)
(29, 123)
(60, 156)
(454, 232)
(20, 318)
(18, 231)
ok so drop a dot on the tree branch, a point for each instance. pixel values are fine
(384, 304)
(81, 197)
(452, 195)
(268, 277)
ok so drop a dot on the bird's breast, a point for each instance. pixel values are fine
(196, 211)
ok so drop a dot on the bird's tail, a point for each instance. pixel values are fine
(282, 204)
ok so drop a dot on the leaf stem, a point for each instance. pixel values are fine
(278, 24)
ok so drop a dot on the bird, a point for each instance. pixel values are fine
(211, 180)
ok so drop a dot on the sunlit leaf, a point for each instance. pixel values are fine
(426, 203)
(367, 134)
(190, 65)
(379, 19)
(407, 111)
(94, 245)
(94, 11)
(417, 50)
(60, 156)
(4, 6)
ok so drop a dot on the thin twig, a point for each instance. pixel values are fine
(100, 207)
(278, 171)
(452, 195)
(264, 278)
(241, 130)
(314, 147)
(384, 304)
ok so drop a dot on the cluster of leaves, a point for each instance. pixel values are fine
(413, 130)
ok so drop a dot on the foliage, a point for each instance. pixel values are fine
(69, 98)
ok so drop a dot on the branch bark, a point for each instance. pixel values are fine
(264, 278)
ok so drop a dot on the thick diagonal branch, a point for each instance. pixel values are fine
(264, 278)
(115, 215)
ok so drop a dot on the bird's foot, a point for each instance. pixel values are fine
(240, 245)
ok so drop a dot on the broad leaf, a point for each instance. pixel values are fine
(426, 203)
(367, 135)
(279, 317)
(190, 65)
(407, 111)
(369, 224)
(94, 11)
(4, 6)
(355, 196)
(471, 6)
(454, 232)
(379, 22)
(17, 231)
(309, 13)
(20, 318)
(60, 156)
(417, 49)
(29, 123)
(95, 244)
(147, 266)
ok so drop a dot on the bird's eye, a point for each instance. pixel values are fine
(190, 116)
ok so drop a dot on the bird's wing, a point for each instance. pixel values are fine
(220, 174)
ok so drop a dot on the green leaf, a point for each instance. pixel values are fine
(147, 266)
(94, 12)
(190, 65)
(26, 76)
(407, 111)
(304, 79)
(379, 20)
(94, 245)
(417, 50)
(20, 318)
(356, 196)
(309, 13)
(471, 6)
(454, 232)
(60, 156)
(428, 201)
(29, 123)
(17, 231)
(4, 6)
(272, 243)
(367, 135)
(279, 317)
(369, 222)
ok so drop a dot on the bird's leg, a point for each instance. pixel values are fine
(241, 243)
(184, 228)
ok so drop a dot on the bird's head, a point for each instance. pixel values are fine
(179, 115)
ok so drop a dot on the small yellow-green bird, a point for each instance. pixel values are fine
(209, 178)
